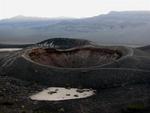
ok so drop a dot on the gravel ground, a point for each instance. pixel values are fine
(14, 98)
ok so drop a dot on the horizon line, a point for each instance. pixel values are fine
(67, 17)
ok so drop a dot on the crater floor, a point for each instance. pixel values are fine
(74, 58)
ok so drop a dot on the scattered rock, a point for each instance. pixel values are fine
(76, 96)
(80, 90)
(52, 92)
(67, 94)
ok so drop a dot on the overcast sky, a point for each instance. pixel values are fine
(68, 8)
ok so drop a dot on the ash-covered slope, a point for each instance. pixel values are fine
(81, 63)
(145, 48)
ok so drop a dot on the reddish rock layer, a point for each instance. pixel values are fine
(74, 58)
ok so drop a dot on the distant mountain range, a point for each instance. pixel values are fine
(123, 28)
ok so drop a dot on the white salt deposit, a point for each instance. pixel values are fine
(9, 49)
(60, 93)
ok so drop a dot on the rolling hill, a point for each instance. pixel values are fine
(122, 28)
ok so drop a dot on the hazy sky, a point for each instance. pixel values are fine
(67, 8)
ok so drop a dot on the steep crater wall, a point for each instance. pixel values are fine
(83, 57)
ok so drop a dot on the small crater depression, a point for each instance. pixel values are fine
(60, 93)
(74, 58)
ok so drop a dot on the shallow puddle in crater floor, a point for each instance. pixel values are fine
(60, 93)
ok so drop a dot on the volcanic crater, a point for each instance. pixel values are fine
(119, 73)
(82, 57)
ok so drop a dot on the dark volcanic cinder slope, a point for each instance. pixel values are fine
(145, 48)
(119, 74)
(84, 65)
(64, 43)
